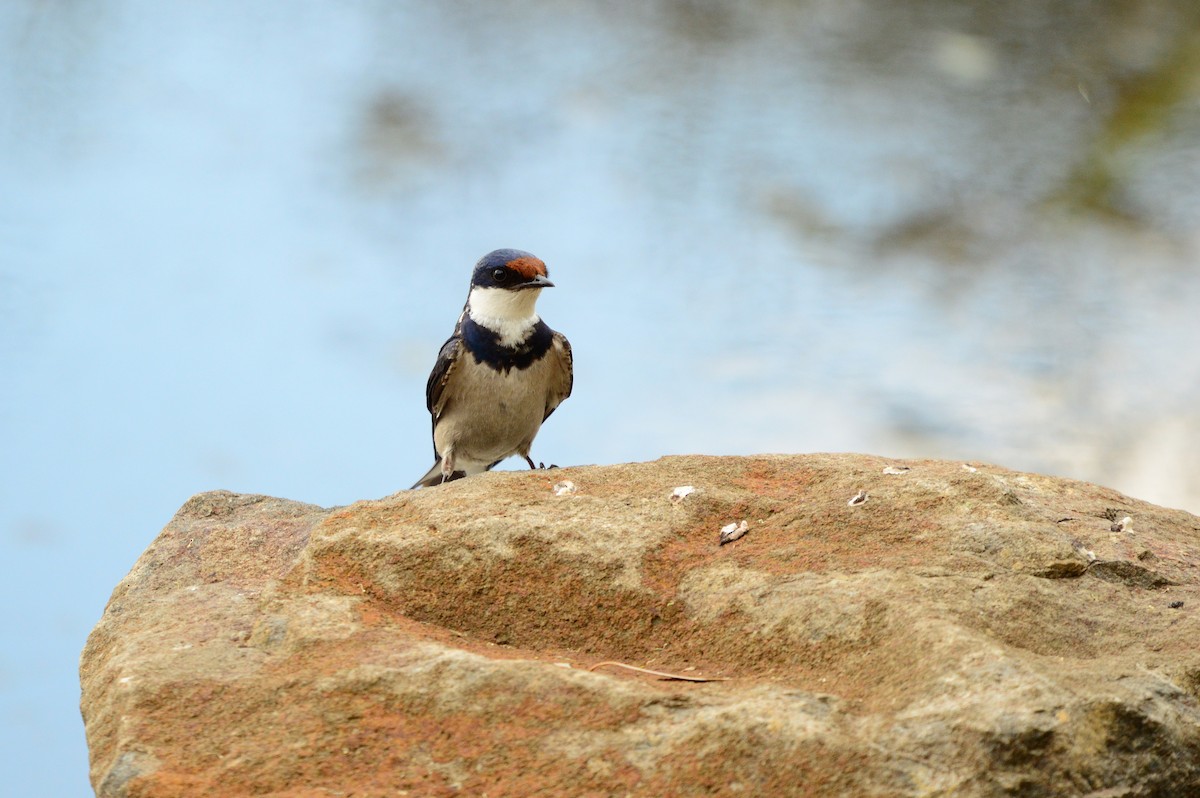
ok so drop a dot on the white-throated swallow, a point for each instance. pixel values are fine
(500, 375)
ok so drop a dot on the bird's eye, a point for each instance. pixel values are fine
(500, 275)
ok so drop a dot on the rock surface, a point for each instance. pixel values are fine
(957, 631)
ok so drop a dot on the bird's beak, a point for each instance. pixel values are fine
(538, 281)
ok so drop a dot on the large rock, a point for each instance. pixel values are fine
(963, 631)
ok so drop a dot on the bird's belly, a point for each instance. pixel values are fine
(494, 414)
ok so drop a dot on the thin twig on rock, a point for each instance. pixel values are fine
(660, 674)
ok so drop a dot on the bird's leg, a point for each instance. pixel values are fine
(529, 460)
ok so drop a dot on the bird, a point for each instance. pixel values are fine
(500, 375)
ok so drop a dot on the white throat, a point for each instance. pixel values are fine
(509, 313)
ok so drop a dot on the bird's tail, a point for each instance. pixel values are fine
(431, 478)
(434, 476)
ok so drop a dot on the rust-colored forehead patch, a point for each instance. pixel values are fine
(527, 267)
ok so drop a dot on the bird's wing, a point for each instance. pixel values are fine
(447, 358)
(562, 373)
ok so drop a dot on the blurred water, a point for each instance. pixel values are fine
(232, 238)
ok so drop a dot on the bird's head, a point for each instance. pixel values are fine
(510, 270)
(505, 286)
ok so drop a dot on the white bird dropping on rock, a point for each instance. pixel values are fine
(681, 493)
(732, 532)
(857, 498)
(564, 488)
(894, 470)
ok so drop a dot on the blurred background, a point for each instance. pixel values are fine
(233, 237)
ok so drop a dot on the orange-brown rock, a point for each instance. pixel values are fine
(957, 631)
